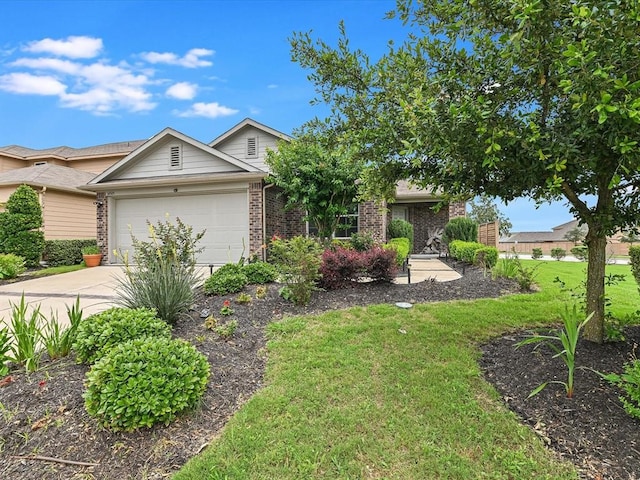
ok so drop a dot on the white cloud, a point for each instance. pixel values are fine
(271, 86)
(182, 91)
(55, 64)
(209, 110)
(71, 47)
(28, 84)
(190, 60)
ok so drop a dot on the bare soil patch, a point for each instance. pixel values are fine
(43, 423)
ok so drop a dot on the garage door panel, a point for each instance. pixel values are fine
(224, 216)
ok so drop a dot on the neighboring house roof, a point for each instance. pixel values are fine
(50, 176)
(69, 153)
(557, 234)
(248, 122)
(110, 173)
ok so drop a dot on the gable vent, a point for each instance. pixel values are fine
(252, 147)
(176, 157)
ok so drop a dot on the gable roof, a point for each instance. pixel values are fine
(555, 235)
(149, 144)
(69, 153)
(248, 122)
(50, 176)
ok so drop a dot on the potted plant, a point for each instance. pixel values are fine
(91, 255)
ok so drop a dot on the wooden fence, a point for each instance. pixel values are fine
(489, 234)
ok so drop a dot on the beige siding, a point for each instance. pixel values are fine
(236, 146)
(7, 164)
(68, 216)
(93, 165)
(194, 161)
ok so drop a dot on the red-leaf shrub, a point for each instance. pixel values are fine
(380, 264)
(340, 267)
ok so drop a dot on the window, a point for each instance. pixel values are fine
(252, 147)
(347, 225)
(175, 161)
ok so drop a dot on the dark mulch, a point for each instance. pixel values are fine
(591, 429)
(42, 414)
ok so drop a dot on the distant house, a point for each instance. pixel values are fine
(222, 187)
(525, 242)
(55, 174)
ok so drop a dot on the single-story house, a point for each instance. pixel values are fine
(222, 187)
(525, 242)
(55, 174)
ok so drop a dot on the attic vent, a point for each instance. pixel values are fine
(252, 147)
(176, 157)
(37, 164)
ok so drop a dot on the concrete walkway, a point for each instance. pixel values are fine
(54, 293)
(423, 268)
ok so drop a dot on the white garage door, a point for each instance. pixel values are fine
(224, 216)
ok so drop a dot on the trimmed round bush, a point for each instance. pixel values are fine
(260, 272)
(145, 381)
(486, 256)
(99, 333)
(225, 283)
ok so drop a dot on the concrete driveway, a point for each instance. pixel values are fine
(54, 293)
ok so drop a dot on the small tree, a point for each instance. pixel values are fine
(460, 228)
(484, 210)
(575, 235)
(20, 224)
(316, 177)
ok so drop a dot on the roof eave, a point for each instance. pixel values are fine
(173, 181)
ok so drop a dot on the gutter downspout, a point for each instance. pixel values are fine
(264, 219)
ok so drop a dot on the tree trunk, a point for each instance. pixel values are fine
(594, 329)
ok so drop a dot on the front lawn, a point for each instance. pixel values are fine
(381, 392)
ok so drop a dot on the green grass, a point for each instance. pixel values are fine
(57, 270)
(381, 392)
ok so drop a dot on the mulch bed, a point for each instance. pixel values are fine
(42, 416)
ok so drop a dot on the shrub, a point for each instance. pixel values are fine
(64, 252)
(298, 261)
(558, 253)
(380, 264)
(174, 241)
(464, 251)
(145, 381)
(260, 272)
(340, 267)
(581, 252)
(460, 228)
(362, 241)
(165, 276)
(99, 333)
(629, 382)
(227, 279)
(486, 257)
(634, 259)
(11, 265)
(20, 224)
(401, 229)
(536, 253)
(401, 247)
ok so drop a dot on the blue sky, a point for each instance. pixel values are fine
(82, 73)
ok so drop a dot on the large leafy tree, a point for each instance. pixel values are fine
(20, 225)
(316, 176)
(535, 98)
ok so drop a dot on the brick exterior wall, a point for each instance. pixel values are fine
(372, 220)
(255, 219)
(102, 213)
(426, 222)
(457, 209)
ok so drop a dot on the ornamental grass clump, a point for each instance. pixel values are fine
(564, 343)
(99, 333)
(145, 381)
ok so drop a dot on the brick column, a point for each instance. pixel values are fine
(372, 219)
(255, 219)
(102, 224)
